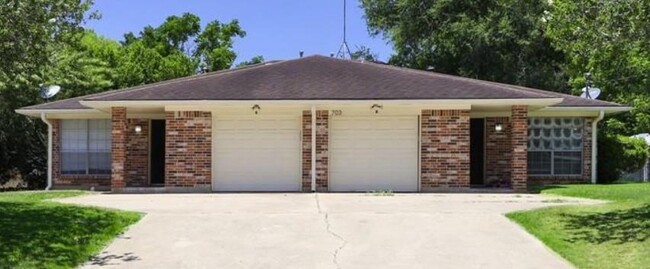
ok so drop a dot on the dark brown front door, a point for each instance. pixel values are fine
(157, 152)
(477, 151)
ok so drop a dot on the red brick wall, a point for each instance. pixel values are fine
(118, 148)
(306, 151)
(188, 149)
(587, 150)
(322, 155)
(444, 149)
(497, 152)
(519, 145)
(137, 153)
(56, 153)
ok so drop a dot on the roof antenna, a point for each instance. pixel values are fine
(589, 92)
(344, 47)
(48, 91)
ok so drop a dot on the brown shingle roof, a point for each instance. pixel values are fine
(323, 78)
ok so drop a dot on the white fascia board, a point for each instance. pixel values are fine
(555, 112)
(593, 109)
(51, 112)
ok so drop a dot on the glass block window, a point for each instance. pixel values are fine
(555, 146)
(85, 147)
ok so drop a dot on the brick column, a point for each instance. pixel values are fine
(118, 147)
(444, 149)
(587, 150)
(306, 151)
(322, 156)
(322, 142)
(519, 144)
(56, 151)
(188, 150)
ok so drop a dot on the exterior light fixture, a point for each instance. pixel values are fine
(498, 127)
(138, 129)
(256, 109)
(376, 108)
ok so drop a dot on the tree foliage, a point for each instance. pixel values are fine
(255, 60)
(364, 53)
(85, 68)
(30, 32)
(29, 28)
(623, 154)
(610, 39)
(177, 48)
(496, 40)
(214, 44)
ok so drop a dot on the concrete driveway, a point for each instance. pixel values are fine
(324, 231)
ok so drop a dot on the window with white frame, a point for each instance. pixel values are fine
(555, 146)
(85, 147)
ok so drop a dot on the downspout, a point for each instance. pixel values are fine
(594, 147)
(313, 148)
(49, 151)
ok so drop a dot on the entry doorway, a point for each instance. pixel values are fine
(157, 153)
(477, 152)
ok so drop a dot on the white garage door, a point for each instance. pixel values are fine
(374, 153)
(256, 153)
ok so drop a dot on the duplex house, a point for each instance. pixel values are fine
(321, 124)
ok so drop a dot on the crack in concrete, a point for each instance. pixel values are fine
(329, 230)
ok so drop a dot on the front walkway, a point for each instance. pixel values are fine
(325, 231)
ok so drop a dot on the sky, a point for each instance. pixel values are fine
(276, 29)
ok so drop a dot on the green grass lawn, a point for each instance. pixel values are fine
(36, 233)
(612, 235)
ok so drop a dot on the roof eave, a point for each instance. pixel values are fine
(38, 112)
(103, 105)
(606, 109)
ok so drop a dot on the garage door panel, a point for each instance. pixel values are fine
(372, 153)
(257, 141)
(257, 153)
(347, 123)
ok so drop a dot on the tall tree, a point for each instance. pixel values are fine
(215, 43)
(85, 68)
(497, 40)
(177, 48)
(177, 31)
(610, 39)
(30, 31)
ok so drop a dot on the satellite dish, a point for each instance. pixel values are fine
(48, 92)
(590, 93)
